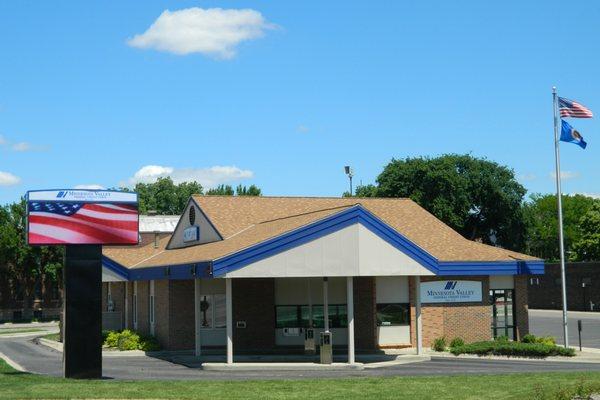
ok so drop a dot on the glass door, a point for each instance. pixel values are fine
(503, 317)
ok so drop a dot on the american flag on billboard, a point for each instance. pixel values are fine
(53, 222)
(570, 108)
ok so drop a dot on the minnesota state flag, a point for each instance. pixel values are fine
(570, 134)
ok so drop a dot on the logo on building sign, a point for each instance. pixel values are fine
(451, 292)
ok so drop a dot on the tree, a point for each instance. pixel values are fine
(541, 217)
(21, 264)
(221, 190)
(587, 246)
(477, 197)
(240, 190)
(164, 197)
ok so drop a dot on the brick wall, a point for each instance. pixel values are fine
(161, 312)
(143, 293)
(253, 301)
(365, 324)
(521, 308)
(181, 313)
(547, 294)
(470, 321)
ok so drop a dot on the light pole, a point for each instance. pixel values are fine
(350, 173)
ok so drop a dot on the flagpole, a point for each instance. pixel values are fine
(560, 218)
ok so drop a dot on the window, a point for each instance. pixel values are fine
(212, 309)
(390, 314)
(298, 316)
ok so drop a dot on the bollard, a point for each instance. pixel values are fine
(579, 331)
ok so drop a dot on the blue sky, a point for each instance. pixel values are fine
(284, 94)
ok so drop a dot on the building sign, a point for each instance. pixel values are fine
(191, 234)
(451, 292)
(57, 217)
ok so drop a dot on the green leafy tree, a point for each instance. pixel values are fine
(251, 190)
(240, 190)
(22, 265)
(541, 217)
(164, 197)
(221, 190)
(587, 245)
(477, 197)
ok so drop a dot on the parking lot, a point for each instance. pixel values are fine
(549, 323)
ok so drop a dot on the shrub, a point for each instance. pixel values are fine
(501, 339)
(457, 342)
(439, 344)
(111, 339)
(529, 338)
(514, 349)
(149, 343)
(130, 340)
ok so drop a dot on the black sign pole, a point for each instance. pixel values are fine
(82, 324)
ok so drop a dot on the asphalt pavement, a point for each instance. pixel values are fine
(43, 360)
(549, 323)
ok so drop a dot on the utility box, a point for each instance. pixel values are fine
(309, 341)
(326, 348)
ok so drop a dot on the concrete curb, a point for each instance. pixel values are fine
(579, 358)
(281, 367)
(12, 363)
(105, 353)
(26, 334)
(401, 360)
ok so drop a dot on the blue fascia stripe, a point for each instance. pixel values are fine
(180, 271)
(172, 272)
(358, 214)
(115, 267)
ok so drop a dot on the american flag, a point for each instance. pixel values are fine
(82, 223)
(570, 108)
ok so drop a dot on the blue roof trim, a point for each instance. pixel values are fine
(180, 271)
(172, 272)
(359, 214)
(115, 267)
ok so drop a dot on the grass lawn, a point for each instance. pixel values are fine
(10, 331)
(18, 385)
(52, 336)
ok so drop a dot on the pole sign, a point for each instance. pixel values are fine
(451, 292)
(106, 217)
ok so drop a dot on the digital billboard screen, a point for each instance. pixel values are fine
(82, 217)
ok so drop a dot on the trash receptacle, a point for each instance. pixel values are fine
(309, 341)
(326, 348)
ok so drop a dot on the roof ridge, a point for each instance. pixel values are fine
(306, 213)
(299, 197)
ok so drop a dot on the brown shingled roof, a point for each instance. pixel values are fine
(244, 221)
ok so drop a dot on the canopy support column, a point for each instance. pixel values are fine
(350, 310)
(326, 304)
(229, 320)
(419, 325)
(197, 319)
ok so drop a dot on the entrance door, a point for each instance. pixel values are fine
(503, 316)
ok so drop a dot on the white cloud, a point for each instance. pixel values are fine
(8, 179)
(207, 177)
(302, 128)
(566, 175)
(92, 187)
(2, 140)
(214, 31)
(22, 147)
(592, 195)
(527, 177)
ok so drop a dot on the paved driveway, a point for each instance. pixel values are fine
(549, 323)
(40, 359)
